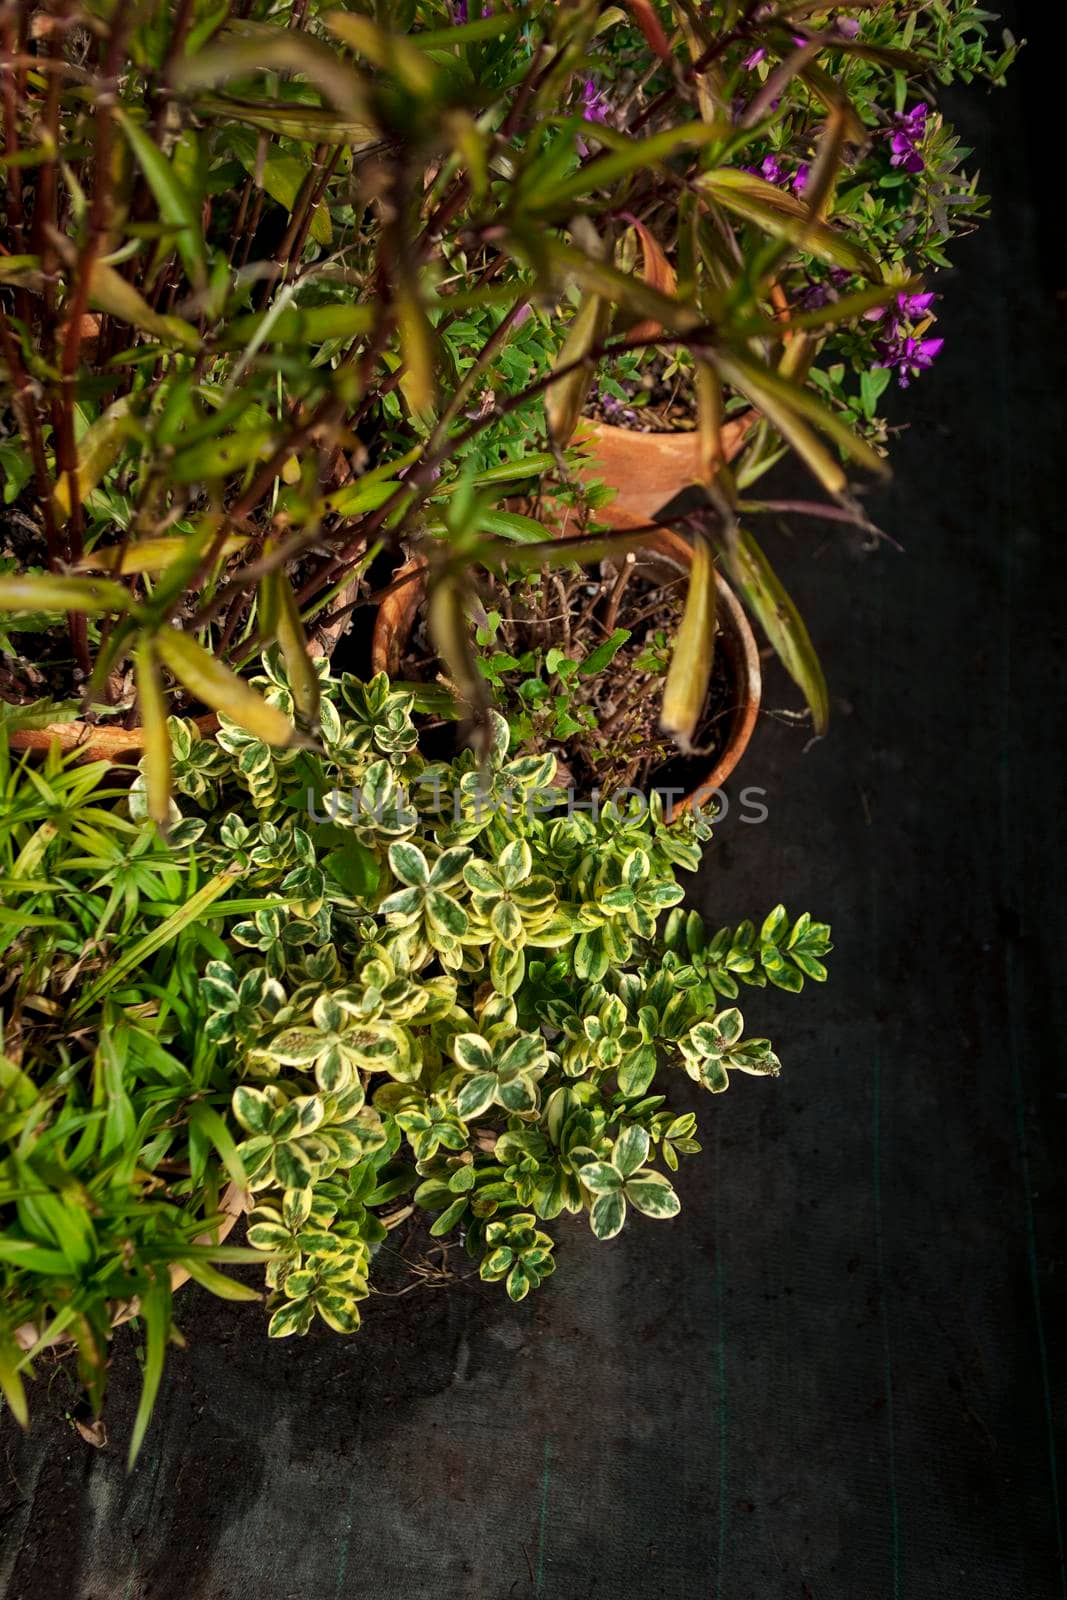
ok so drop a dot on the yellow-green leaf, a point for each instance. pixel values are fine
(271, 49)
(471, 144)
(709, 418)
(148, 555)
(110, 292)
(784, 394)
(282, 176)
(48, 592)
(633, 155)
(619, 288)
(390, 52)
(689, 673)
(153, 708)
(768, 601)
(176, 205)
(565, 399)
(132, 955)
(450, 633)
(98, 449)
(782, 216)
(309, 124)
(11, 1381)
(155, 1314)
(213, 683)
(284, 614)
(750, 380)
(416, 349)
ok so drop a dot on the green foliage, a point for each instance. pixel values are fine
(114, 1116)
(302, 281)
(356, 984)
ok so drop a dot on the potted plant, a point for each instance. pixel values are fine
(355, 984)
(273, 307)
(290, 295)
(901, 187)
(572, 658)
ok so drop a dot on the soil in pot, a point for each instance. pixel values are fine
(658, 404)
(538, 642)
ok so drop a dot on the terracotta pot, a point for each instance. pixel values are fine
(233, 1204)
(662, 554)
(94, 741)
(648, 469)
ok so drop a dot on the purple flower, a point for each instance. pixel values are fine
(915, 306)
(459, 11)
(907, 132)
(614, 409)
(900, 346)
(906, 308)
(847, 27)
(595, 106)
(906, 355)
(820, 294)
(773, 170)
(754, 59)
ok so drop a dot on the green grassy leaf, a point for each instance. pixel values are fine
(155, 1310)
(776, 613)
(176, 204)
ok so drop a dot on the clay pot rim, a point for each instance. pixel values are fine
(93, 741)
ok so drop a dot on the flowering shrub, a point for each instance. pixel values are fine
(287, 284)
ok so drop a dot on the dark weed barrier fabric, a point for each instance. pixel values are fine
(837, 1376)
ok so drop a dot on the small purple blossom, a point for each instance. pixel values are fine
(614, 409)
(847, 28)
(822, 293)
(901, 347)
(907, 356)
(915, 306)
(906, 308)
(595, 105)
(906, 134)
(459, 11)
(773, 170)
(754, 59)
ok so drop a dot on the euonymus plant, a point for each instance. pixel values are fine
(285, 284)
(352, 983)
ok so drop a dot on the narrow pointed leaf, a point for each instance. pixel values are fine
(691, 658)
(153, 709)
(222, 690)
(109, 291)
(565, 399)
(781, 621)
(155, 1310)
(754, 200)
(176, 205)
(98, 448)
(46, 592)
